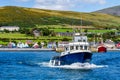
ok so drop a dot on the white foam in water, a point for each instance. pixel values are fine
(74, 66)
(46, 64)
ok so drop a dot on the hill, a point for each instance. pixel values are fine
(112, 11)
(30, 17)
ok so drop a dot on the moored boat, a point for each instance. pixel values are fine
(118, 45)
(102, 48)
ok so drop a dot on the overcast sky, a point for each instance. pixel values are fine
(69, 5)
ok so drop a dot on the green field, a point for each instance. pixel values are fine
(101, 31)
(7, 37)
(62, 30)
(88, 30)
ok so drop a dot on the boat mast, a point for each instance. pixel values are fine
(81, 26)
(73, 31)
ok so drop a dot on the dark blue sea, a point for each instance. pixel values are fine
(34, 65)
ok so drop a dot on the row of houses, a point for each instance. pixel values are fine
(27, 45)
(9, 28)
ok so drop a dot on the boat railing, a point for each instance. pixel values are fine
(76, 48)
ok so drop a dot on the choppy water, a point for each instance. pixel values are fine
(35, 66)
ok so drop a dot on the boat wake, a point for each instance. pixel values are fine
(73, 66)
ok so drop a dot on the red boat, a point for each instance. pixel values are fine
(102, 48)
(118, 45)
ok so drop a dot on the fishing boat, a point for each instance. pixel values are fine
(102, 48)
(76, 51)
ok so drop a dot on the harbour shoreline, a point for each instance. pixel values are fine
(41, 49)
(26, 49)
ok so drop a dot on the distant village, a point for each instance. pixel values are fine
(31, 44)
(28, 43)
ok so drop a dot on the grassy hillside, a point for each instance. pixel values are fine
(30, 17)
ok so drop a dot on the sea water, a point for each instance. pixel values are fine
(34, 65)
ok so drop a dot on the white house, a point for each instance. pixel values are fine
(9, 28)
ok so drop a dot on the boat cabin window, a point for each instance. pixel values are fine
(77, 47)
(81, 47)
(85, 47)
(71, 47)
(84, 40)
(79, 40)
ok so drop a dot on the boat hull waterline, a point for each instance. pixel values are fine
(78, 57)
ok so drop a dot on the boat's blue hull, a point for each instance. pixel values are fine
(68, 59)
